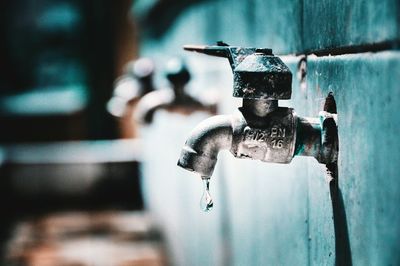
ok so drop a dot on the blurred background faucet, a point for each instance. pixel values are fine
(137, 81)
(175, 98)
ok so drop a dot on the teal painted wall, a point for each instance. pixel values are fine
(270, 214)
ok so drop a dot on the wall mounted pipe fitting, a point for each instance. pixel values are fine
(260, 129)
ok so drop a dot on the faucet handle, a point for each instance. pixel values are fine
(235, 54)
(257, 73)
(214, 50)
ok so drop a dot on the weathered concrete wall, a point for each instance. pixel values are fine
(343, 23)
(286, 26)
(285, 214)
(248, 23)
(367, 91)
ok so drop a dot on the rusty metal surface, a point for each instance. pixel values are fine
(257, 73)
(308, 140)
(262, 76)
(270, 138)
(205, 142)
(329, 138)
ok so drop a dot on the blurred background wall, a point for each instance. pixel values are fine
(69, 189)
(58, 63)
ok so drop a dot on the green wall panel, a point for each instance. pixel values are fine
(332, 24)
(285, 26)
(275, 24)
(272, 24)
(367, 91)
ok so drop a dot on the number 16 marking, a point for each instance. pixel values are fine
(277, 144)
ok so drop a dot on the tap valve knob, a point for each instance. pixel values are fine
(257, 73)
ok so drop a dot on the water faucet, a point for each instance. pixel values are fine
(136, 82)
(260, 129)
(129, 88)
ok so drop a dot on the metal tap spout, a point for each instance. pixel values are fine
(201, 149)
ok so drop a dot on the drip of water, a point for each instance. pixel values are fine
(206, 203)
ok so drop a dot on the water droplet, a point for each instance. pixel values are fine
(206, 202)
